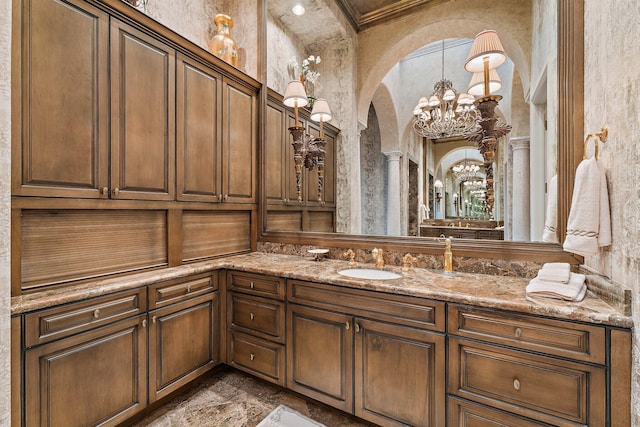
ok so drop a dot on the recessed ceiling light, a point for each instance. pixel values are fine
(298, 10)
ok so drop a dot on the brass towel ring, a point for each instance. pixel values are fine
(597, 137)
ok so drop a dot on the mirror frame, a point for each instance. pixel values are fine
(570, 134)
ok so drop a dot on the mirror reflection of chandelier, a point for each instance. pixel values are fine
(476, 185)
(466, 171)
(445, 112)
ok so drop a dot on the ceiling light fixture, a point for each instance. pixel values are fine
(445, 112)
(298, 10)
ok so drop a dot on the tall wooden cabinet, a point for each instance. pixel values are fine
(61, 147)
(142, 115)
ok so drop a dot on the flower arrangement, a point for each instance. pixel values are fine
(305, 73)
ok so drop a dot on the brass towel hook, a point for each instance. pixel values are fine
(601, 136)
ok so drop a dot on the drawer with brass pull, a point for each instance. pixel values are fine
(256, 284)
(262, 358)
(47, 325)
(257, 316)
(173, 291)
(556, 391)
(549, 336)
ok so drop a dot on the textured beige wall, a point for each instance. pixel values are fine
(612, 97)
(5, 204)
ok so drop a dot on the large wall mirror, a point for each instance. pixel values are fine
(397, 185)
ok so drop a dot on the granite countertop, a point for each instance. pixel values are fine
(506, 293)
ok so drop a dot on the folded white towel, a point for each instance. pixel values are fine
(555, 272)
(549, 233)
(589, 224)
(575, 290)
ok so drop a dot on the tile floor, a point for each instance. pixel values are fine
(230, 398)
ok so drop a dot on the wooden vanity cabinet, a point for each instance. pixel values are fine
(541, 369)
(256, 325)
(98, 377)
(183, 332)
(364, 353)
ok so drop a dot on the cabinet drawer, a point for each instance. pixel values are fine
(172, 291)
(62, 321)
(416, 312)
(262, 358)
(256, 316)
(256, 284)
(556, 391)
(573, 340)
(469, 414)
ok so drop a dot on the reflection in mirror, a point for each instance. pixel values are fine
(387, 175)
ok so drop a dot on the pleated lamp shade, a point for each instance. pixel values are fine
(487, 44)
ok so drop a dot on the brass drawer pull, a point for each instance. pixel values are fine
(144, 323)
(356, 327)
(252, 356)
(346, 325)
(188, 288)
(518, 332)
(252, 316)
(252, 285)
(516, 384)
(96, 313)
(153, 319)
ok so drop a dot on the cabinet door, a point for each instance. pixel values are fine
(97, 377)
(399, 375)
(62, 150)
(183, 343)
(239, 127)
(320, 355)
(198, 122)
(142, 116)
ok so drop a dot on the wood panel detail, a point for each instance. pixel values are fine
(208, 234)
(320, 221)
(198, 132)
(284, 220)
(142, 116)
(262, 358)
(59, 246)
(64, 149)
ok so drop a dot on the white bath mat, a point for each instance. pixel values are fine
(284, 416)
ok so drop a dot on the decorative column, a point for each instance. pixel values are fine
(393, 192)
(521, 185)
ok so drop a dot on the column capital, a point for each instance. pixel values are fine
(520, 143)
(393, 155)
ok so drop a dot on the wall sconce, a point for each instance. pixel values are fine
(438, 186)
(486, 55)
(308, 151)
(455, 203)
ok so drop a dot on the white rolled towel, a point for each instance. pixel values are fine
(555, 272)
(575, 290)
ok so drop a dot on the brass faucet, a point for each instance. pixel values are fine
(352, 255)
(378, 257)
(407, 262)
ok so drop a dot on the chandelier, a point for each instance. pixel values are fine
(476, 185)
(445, 112)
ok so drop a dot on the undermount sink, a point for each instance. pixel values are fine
(369, 273)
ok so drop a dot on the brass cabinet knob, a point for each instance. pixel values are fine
(105, 191)
(153, 319)
(356, 327)
(518, 332)
(116, 192)
(251, 316)
(225, 197)
(96, 313)
(346, 325)
(516, 384)
(219, 197)
(252, 356)
(144, 323)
